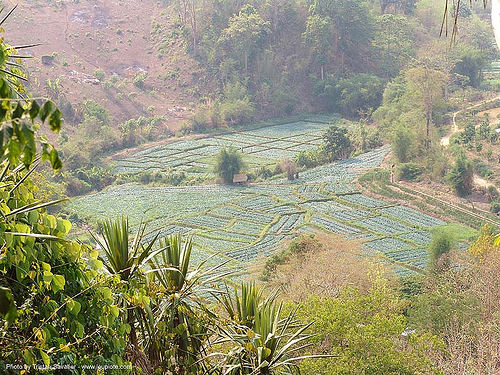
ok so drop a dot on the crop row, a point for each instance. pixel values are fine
(283, 210)
(259, 202)
(408, 256)
(326, 207)
(412, 216)
(388, 244)
(229, 211)
(263, 248)
(333, 226)
(363, 200)
(287, 223)
(385, 225)
(205, 221)
(420, 237)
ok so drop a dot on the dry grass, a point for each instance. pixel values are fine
(329, 265)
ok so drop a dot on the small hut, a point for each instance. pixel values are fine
(240, 178)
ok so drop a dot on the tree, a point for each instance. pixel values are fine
(394, 43)
(364, 332)
(461, 176)
(495, 16)
(402, 143)
(471, 64)
(228, 163)
(426, 90)
(337, 144)
(245, 32)
(485, 243)
(360, 93)
(318, 35)
(353, 28)
(440, 245)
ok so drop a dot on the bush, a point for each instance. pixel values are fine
(376, 174)
(495, 207)
(311, 158)
(91, 108)
(409, 171)
(461, 176)
(441, 244)
(139, 80)
(100, 74)
(228, 163)
(403, 141)
(237, 112)
(492, 193)
(361, 92)
(482, 169)
(337, 144)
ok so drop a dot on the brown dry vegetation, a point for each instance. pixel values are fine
(115, 37)
(329, 265)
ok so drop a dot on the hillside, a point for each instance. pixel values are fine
(126, 55)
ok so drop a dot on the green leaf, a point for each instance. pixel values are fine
(58, 283)
(63, 226)
(55, 121)
(47, 277)
(74, 307)
(29, 357)
(79, 329)
(114, 310)
(7, 305)
(34, 110)
(18, 112)
(46, 109)
(45, 358)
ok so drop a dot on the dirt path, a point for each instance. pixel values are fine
(445, 141)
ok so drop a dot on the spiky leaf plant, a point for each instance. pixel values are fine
(178, 323)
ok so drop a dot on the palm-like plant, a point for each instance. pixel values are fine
(264, 343)
(121, 256)
(125, 257)
(243, 307)
(177, 326)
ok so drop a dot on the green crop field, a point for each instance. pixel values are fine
(244, 223)
(264, 146)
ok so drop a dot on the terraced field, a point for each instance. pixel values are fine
(260, 147)
(241, 224)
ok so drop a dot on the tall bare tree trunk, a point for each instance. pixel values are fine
(194, 26)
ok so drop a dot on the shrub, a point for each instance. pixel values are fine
(361, 92)
(495, 207)
(238, 111)
(228, 163)
(139, 80)
(402, 143)
(482, 169)
(492, 193)
(461, 176)
(100, 74)
(409, 171)
(441, 244)
(337, 144)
